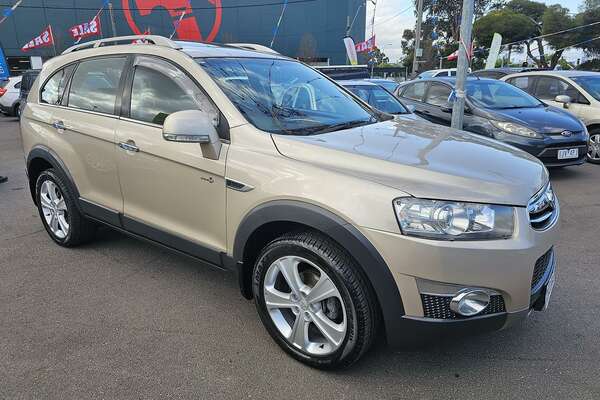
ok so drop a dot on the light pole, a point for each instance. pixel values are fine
(466, 27)
(418, 49)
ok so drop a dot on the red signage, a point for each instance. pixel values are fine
(45, 39)
(186, 27)
(86, 29)
(367, 45)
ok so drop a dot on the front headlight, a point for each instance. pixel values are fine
(516, 129)
(449, 220)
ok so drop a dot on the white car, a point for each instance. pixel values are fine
(437, 73)
(576, 91)
(9, 96)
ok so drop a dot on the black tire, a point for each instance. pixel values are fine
(81, 230)
(593, 132)
(362, 312)
(15, 110)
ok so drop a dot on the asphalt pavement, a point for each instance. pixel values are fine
(121, 319)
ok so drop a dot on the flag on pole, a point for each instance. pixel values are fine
(86, 29)
(454, 56)
(350, 50)
(44, 39)
(367, 45)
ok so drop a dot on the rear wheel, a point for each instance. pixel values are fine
(313, 300)
(15, 110)
(593, 154)
(59, 213)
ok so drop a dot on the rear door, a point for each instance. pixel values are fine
(171, 193)
(83, 125)
(436, 107)
(413, 94)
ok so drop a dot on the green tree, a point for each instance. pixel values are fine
(379, 57)
(590, 13)
(556, 18)
(532, 9)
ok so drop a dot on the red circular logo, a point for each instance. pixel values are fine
(184, 21)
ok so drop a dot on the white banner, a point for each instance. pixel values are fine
(350, 50)
(494, 51)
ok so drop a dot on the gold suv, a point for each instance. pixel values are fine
(340, 222)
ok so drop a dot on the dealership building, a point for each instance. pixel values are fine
(306, 29)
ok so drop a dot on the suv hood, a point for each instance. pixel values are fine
(544, 120)
(424, 160)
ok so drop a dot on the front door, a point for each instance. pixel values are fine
(437, 109)
(171, 193)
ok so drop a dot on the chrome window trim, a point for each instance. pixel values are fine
(79, 110)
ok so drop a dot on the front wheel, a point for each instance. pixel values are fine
(313, 300)
(593, 155)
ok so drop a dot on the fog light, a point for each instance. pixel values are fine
(470, 302)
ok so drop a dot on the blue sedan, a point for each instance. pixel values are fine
(501, 111)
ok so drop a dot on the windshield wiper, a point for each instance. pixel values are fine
(343, 125)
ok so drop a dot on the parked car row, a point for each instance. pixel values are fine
(343, 223)
(14, 92)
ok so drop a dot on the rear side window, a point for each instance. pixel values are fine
(53, 90)
(159, 89)
(438, 94)
(95, 84)
(523, 82)
(18, 85)
(414, 91)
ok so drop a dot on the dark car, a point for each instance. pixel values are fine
(387, 84)
(27, 80)
(497, 73)
(501, 111)
(376, 96)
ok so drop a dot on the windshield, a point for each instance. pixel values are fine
(590, 84)
(285, 97)
(378, 98)
(498, 94)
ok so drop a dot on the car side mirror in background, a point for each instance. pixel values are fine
(564, 99)
(447, 108)
(193, 126)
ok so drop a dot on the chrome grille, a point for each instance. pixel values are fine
(543, 209)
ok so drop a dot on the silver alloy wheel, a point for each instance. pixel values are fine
(594, 147)
(54, 209)
(305, 305)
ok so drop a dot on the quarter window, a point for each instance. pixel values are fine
(95, 84)
(160, 89)
(438, 95)
(415, 91)
(53, 90)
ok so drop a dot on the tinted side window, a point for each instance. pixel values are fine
(160, 89)
(452, 73)
(95, 84)
(415, 91)
(523, 82)
(438, 95)
(53, 90)
(548, 88)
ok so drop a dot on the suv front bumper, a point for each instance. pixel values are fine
(503, 267)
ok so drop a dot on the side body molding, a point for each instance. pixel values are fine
(372, 264)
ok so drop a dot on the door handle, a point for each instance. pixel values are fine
(129, 146)
(59, 125)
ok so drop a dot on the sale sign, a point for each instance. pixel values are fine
(45, 39)
(86, 29)
(367, 45)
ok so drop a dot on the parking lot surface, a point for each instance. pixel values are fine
(120, 318)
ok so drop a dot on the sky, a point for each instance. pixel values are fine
(394, 16)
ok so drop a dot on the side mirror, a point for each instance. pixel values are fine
(193, 126)
(564, 99)
(447, 108)
(411, 108)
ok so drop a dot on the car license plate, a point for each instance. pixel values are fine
(549, 287)
(564, 154)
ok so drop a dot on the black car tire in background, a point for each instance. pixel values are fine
(594, 157)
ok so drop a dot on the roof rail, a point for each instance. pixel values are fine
(143, 39)
(255, 47)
